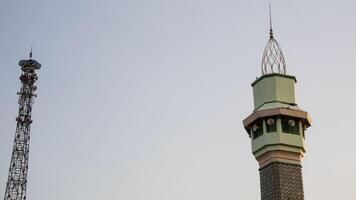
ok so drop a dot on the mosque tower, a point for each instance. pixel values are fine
(277, 128)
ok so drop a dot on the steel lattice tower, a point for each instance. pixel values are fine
(17, 180)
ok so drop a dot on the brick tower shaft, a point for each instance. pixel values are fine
(281, 181)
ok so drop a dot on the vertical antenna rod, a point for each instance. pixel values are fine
(270, 21)
(31, 51)
(17, 179)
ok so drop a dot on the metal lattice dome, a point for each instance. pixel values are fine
(273, 59)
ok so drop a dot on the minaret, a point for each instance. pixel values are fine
(277, 128)
(17, 180)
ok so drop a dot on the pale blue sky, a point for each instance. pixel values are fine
(143, 99)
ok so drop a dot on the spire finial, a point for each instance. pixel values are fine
(270, 21)
(273, 59)
(31, 51)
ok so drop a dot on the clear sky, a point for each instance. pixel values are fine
(143, 99)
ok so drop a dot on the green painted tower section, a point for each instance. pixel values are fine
(277, 128)
(273, 91)
(275, 110)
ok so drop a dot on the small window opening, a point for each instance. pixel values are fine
(290, 125)
(257, 129)
(271, 125)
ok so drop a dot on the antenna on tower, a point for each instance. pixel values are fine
(31, 51)
(270, 21)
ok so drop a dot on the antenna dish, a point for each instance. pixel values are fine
(291, 122)
(270, 121)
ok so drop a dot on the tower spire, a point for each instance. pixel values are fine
(31, 51)
(272, 60)
(270, 21)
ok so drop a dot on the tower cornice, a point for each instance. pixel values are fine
(275, 112)
(273, 74)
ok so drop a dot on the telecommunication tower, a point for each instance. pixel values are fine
(17, 179)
